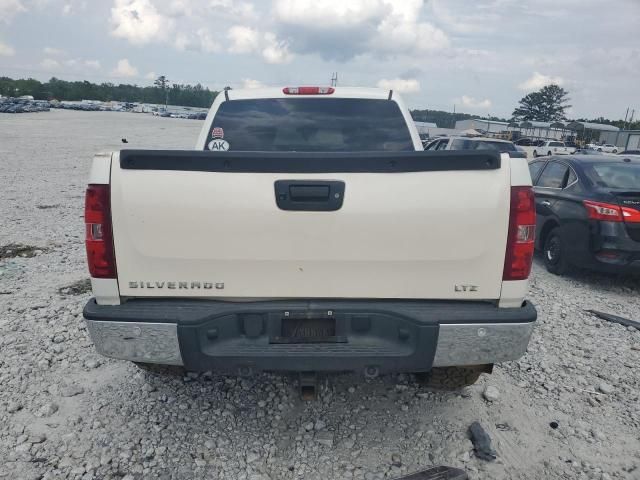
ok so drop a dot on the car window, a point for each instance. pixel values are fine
(310, 125)
(622, 175)
(534, 169)
(572, 178)
(556, 144)
(432, 145)
(553, 176)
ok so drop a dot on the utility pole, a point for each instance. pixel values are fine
(334, 79)
(625, 118)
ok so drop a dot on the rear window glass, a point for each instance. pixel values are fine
(553, 176)
(468, 144)
(556, 144)
(309, 125)
(534, 169)
(624, 176)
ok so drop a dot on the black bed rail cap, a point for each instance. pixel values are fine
(309, 162)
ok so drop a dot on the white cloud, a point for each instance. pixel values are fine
(6, 50)
(95, 64)
(242, 10)
(151, 76)
(401, 85)
(10, 8)
(73, 6)
(50, 64)
(329, 13)
(124, 69)
(251, 83)
(339, 29)
(243, 39)
(139, 22)
(200, 41)
(538, 80)
(207, 42)
(276, 51)
(249, 40)
(472, 103)
(53, 51)
(460, 18)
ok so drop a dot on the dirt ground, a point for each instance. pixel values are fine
(569, 409)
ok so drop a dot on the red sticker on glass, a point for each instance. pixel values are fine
(217, 132)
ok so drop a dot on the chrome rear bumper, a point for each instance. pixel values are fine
(401, 336)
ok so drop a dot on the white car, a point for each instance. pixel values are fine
(606, 148)
(472, 143)
(309, 231)
(541, 148)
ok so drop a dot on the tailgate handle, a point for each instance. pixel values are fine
(309, 195)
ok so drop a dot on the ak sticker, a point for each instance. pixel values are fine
(219, 145)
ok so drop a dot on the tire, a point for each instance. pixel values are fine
(535, 154)
(549, 153)
(615, 150)
(450, 378)
(553, 252)
(599, 149)
(163, 370)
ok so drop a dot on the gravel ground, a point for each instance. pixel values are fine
(66, 412)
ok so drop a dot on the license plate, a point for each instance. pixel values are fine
(307, 330)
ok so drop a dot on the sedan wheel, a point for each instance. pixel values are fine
(554, 255)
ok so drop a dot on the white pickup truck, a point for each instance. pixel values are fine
(308, 231)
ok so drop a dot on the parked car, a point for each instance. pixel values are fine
(605, 148)
(474, 143)
(588, 212)
(308, 232)
(540, 148)
(587, 151)
(635, 153)
(525, 142)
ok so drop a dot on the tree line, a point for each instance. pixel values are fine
(175, 94)
(547, 104)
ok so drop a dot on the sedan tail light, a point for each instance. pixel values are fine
(610, 212)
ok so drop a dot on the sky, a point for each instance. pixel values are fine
(481, 56)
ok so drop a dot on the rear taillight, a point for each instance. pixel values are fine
(610, 212)
(99, 236)
(521, 236)
(308, 90)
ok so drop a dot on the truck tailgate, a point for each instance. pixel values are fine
(429, 225)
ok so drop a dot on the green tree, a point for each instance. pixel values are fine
(162, 83)
(184, 95)
(546, 105)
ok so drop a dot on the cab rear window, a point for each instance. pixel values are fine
(309, 125)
